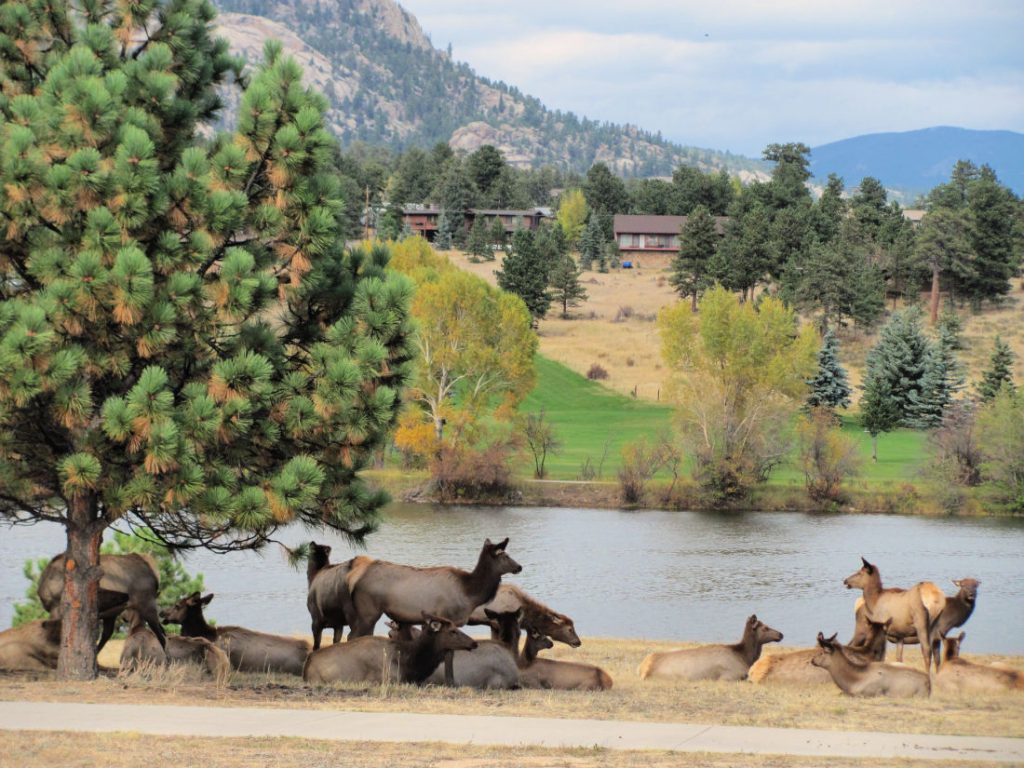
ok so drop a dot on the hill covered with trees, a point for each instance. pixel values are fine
(388, 85)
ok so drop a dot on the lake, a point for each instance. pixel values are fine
(641, 574)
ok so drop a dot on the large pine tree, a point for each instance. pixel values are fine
(185, 342)
(566, 288)
(524, 274)
(941, 379)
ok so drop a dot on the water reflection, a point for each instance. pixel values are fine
(648, 574)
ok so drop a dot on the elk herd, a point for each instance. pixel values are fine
(427, 607)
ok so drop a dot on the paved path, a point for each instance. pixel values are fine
(515, 731)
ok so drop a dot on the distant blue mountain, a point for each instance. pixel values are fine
(915, 161)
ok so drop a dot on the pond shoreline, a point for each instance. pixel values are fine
(906, 499)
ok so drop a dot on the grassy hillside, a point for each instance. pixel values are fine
(588, 417)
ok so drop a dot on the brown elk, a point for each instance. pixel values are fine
(35, 645)
(328, 600)
(511, 598)
(141, 648)
(871, 678)
(381, 659)
(535, 672)
(135, 575)
(795, 668)
(491, 665)
(713, 662)
(247, 650)
(954, 613)
(913, 611)
(959, 676)
(404, 592)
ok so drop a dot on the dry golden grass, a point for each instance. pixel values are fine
(630, 349)
(630, 698)
(86, 750)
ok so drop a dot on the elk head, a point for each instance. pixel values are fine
(862, 578)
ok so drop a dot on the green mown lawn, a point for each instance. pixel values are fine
(587, 416)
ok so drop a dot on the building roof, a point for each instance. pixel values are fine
(656, 225)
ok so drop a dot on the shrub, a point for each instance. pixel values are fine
(827, 456)
(641, 460)
(1002, 422)
(597, 372)
(957, 454)
(463, 474)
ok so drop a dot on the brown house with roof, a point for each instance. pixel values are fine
(641, 234)
(423, 219)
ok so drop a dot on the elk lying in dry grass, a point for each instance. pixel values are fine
(142, 649)
(713, 662)
(510, 598)
(535, 672)
(913, 611)
(957, 676)
(382, 659)
(872, 678)
(248, 650)
(795, 667)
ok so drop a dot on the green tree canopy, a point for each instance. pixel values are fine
(525, 274)
(185, 342)
(698, 243)
(829, 387)
(999, 373)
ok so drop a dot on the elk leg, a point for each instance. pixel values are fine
(152, 618)
(449, 668)
(338, 632)
(317, 632)
(107, 633)
(924, 638)
(899, 650)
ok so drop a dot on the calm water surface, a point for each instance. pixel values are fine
(646, 574)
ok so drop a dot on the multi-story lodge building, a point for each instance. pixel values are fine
(423, 219)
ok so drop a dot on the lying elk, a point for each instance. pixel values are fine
(381, 659)
(247, 650)
(328, 601)
(141, 648)
(914, 612)
(713, 662)
(510, 598)
(35, 645)
(871, 678)
(795, 667)
(535, 672)
(959, 676)
(403, 592)
(135, 575)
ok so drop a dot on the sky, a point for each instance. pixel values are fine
(739, 74)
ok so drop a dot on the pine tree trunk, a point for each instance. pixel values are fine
(81, 587)
(693, 301)
(874, 447)
(935, 296)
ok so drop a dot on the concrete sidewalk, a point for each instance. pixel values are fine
(514, 731)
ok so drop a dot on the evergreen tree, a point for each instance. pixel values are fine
(523, 274)
(941, 379)
(497, 236)
(443, 239)
(895, 369)
(951, 326)
(698, 242)
(830, 210)
(829, 387)
(552, 246)
(993, 216)
(611, 256)
(185, 342)
(565, 284)
(592, 243)
(479, 243)
(999, 373)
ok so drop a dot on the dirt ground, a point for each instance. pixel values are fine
(77, 750)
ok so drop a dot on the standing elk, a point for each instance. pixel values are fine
(871, 678)
(914, 612)
(135, 575)
(247, 650)
(328, 600)
(404, 592)
(713, 662)
(382, 659)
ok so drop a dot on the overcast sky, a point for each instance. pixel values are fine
(739, 74)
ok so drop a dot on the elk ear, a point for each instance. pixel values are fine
(488, 544)
(867, 566)
(821, 639)
(327, 550)
(833, 638)
(503, 544)
(493, 615)
(752, 619)
(960, 637)
(206, 600)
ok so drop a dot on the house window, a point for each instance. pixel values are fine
(657, 241)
